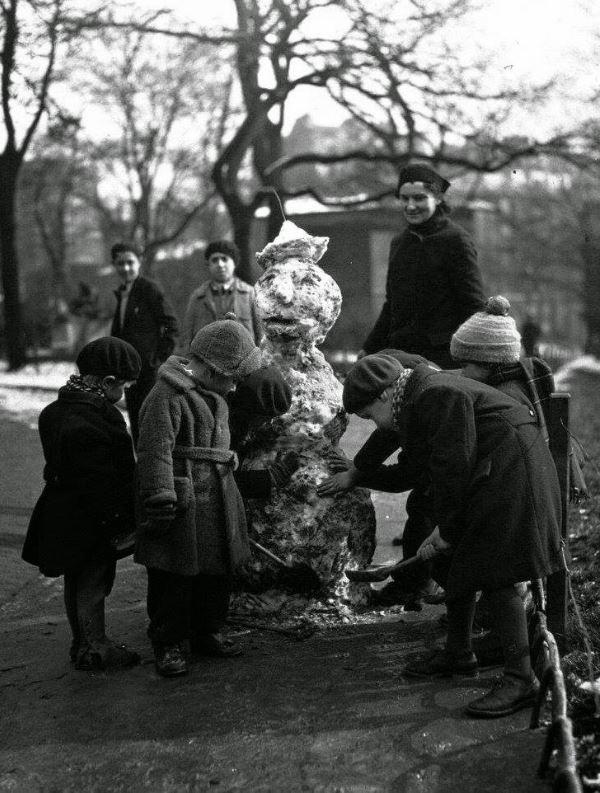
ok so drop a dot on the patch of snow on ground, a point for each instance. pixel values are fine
(588, 364)
(48, 374)
(25, 393)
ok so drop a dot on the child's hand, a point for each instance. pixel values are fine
(338, 483)
(337, 461)
(433, 546)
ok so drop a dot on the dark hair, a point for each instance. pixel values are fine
(123, 247)
(223, 246)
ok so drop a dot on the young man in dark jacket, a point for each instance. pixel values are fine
(144, 318)
(433, 280)
(88, 497)
(495, 504)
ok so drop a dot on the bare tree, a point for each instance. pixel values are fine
(168, 106)
(385, 63)
(34, 33)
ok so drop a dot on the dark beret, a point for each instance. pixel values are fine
(369, 378)
(109, 356)
(408, 359)
(263, 393)
(422, 173)
(223, 246)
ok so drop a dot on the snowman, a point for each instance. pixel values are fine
(298, 304)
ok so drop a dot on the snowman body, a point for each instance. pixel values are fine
(298, 303)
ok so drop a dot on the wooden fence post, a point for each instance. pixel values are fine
(556, 584)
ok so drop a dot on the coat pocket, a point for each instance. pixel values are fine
(185, 493)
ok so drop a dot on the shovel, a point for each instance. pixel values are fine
(299, 576)
(382, 572)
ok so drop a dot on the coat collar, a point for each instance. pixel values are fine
(134, 287)
(238, 286)
(436, 223)
(92, 400)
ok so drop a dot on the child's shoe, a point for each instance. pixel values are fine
(170, 660)
(114, 656)
(507, 695)
(441, 663)
(118, 656)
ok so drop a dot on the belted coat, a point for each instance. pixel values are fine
(201, 310)
(482, 460)
(184, 457)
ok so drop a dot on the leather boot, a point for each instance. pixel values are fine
(507, 695)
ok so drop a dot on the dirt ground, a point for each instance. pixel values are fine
(329, 714)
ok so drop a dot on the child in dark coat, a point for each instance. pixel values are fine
(495, 504)
(88, 498)
(192, 533)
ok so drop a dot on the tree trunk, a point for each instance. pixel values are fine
(13, 321)
(242, 221)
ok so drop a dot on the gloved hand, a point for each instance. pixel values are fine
(159, 516)
(283, 468)
(433, 546)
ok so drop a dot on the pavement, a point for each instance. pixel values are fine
(330, 713)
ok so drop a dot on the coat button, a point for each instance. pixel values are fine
(531, 413)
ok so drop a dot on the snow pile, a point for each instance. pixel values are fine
(588, 364)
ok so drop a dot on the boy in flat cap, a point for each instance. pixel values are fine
(192, 534)
(495, 502)
(222, 296)
(433, 280)
(88, 498)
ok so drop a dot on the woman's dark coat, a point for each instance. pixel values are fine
(433, 285)
(483, 462)
(89, 492)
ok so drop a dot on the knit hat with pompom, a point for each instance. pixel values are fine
(489, 336)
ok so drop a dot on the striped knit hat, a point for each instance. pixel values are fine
(489, 336)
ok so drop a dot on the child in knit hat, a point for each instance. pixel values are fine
(495, 505)
(489, 348)
(88, 498)
(192, 532)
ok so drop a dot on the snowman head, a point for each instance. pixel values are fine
(296, 300)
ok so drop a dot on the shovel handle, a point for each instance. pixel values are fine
(266, 552)
(381, 573)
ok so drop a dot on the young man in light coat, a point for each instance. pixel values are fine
(222, 296)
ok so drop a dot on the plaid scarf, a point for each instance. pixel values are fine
(398, 395)
(77, 383)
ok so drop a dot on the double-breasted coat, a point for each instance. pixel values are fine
(433, 285)
(482, 460)
(88, 494)
(201, 310)
(184, 457)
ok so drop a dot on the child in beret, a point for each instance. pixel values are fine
(88, 497)
(494, 499)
